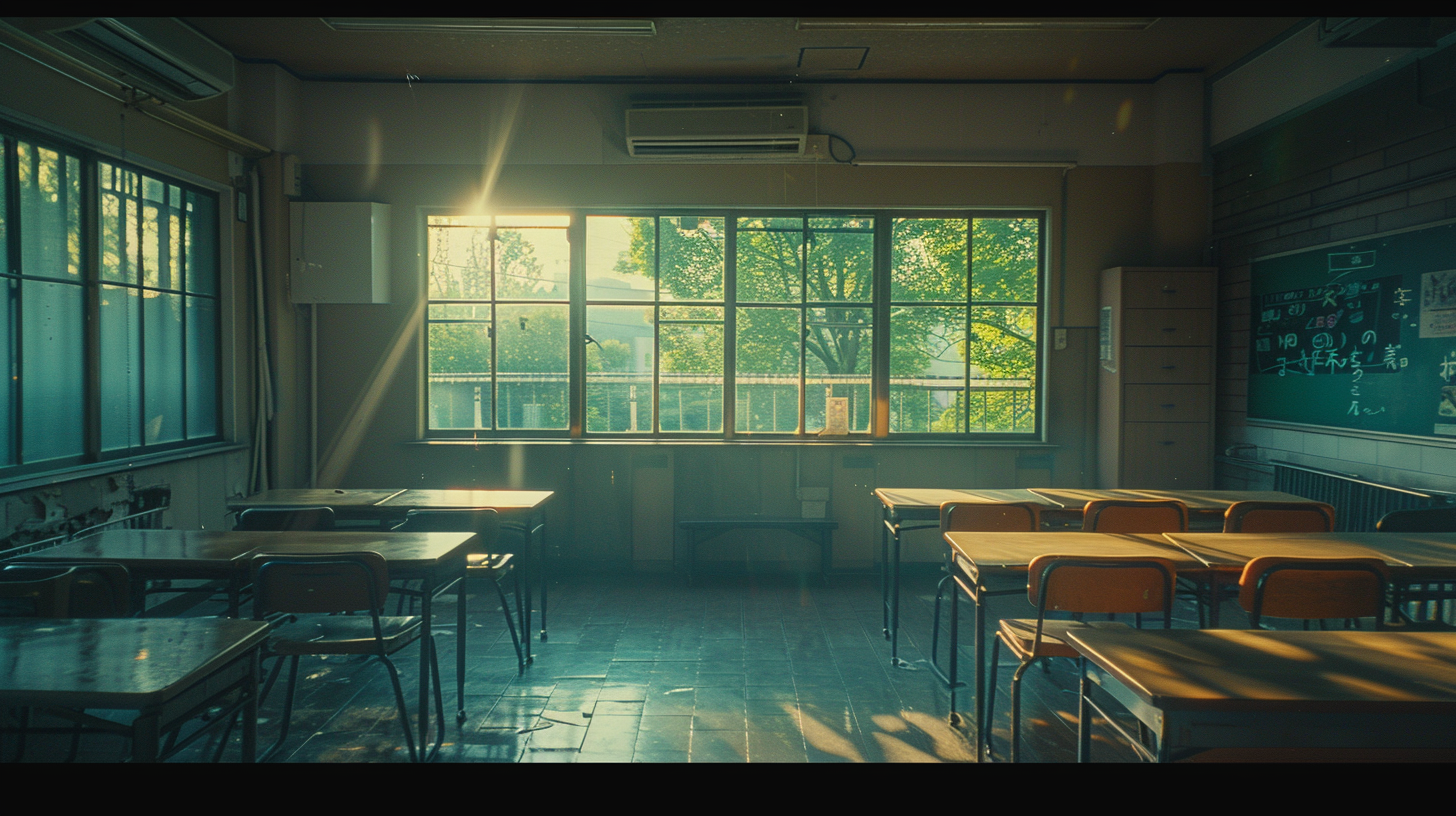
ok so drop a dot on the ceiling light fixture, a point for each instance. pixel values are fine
(492, 25)
(919, 24)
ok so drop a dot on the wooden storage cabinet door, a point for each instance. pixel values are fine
(1166, 454)
(1167, 327)
(1167, 364)
(1157, 289)
(1165, 403)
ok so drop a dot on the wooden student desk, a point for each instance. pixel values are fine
(985, 565)
(524, 508)
(1412, 558)
(437, 560)
(1204, 689)
(903, 509)
(167, 670)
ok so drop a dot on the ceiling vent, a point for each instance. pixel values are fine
(159, 55)
(717, 132)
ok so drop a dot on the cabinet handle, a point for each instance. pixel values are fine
(1167, 442)
(1169, 405)
(1168, 290)
(1170, 329)
(1169, 367)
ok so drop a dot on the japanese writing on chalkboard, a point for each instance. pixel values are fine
(1335, 328)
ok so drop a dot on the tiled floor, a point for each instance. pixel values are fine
(647, 669)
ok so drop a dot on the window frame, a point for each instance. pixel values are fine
(92, 457)
(879, 306)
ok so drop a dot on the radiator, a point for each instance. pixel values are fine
(1358, 503)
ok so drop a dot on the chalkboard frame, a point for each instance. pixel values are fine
(1292, 276)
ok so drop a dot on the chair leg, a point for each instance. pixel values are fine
(287, 706)
(1016, 710)
(985, 728)
(510, 624)
(404, 717)
(935, 625)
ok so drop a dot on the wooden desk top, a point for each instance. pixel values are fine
(1015, 551)
(1253, 670)
(312, 498)
(900, 499)
(467, 499)
(222, 550)
(1197, 500)
(1234, 550)
(125, 663)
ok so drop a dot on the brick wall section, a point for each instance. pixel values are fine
(1371, 161)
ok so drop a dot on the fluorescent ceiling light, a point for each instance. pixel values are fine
(918, 24)
(491, 25)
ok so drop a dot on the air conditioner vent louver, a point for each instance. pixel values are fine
(159, 55)
(717, 132)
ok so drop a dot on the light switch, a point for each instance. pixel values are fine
(1059, 339)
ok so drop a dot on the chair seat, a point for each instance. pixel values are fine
(342, 634)
(488, 562)
(1019, 635)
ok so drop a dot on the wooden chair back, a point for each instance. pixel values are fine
(1008, 517)
(286, 518)
(1279, 517)
(1135, 516)
(1420, 520)
(1313, 588)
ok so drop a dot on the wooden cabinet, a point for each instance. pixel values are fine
(1156, 388)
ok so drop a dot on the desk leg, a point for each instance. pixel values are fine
(250, 709)
(895, 598)
(885, 568)
(427, 588)
(982, 719)
(460, 648)
(545, 583)
(1084, 713)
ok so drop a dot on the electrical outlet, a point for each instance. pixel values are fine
(1059, 339)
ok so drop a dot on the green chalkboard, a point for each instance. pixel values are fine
(1358, 335)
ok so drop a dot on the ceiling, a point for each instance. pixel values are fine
(752, 49)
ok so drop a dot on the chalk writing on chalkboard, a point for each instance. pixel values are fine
(1331, 329)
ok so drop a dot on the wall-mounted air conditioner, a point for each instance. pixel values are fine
(159, 55)
(717, 132)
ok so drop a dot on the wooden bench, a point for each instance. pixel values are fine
(818, 531)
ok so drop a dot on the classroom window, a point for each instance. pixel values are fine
(737, 324)
(110, 333)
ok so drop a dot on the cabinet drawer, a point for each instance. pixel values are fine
(1165, 403)
(1167, 364)
(1153, 289)
(1167, 455)
(1167, 327)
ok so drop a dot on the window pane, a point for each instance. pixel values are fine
(838, 348)
(459, 262)
(201, 368)
(1003, 369)
(53, 409)
(164, 402)
(459, 360)
(690, 391)
(531, 362)
(121, 367)
(50, 204)
(1004, 259)
(690, 258)
(927, 370)
(619, 369)
(769, 253)
(7, 363)
(767, 371)
(928, 259)
(532, 263)
(841, 259)
(202, 245)
(620, 257)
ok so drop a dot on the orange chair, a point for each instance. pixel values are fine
(1308, 589)
(1135, 516)
(1005, 517)
(1075, 584)
(1279, 517)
